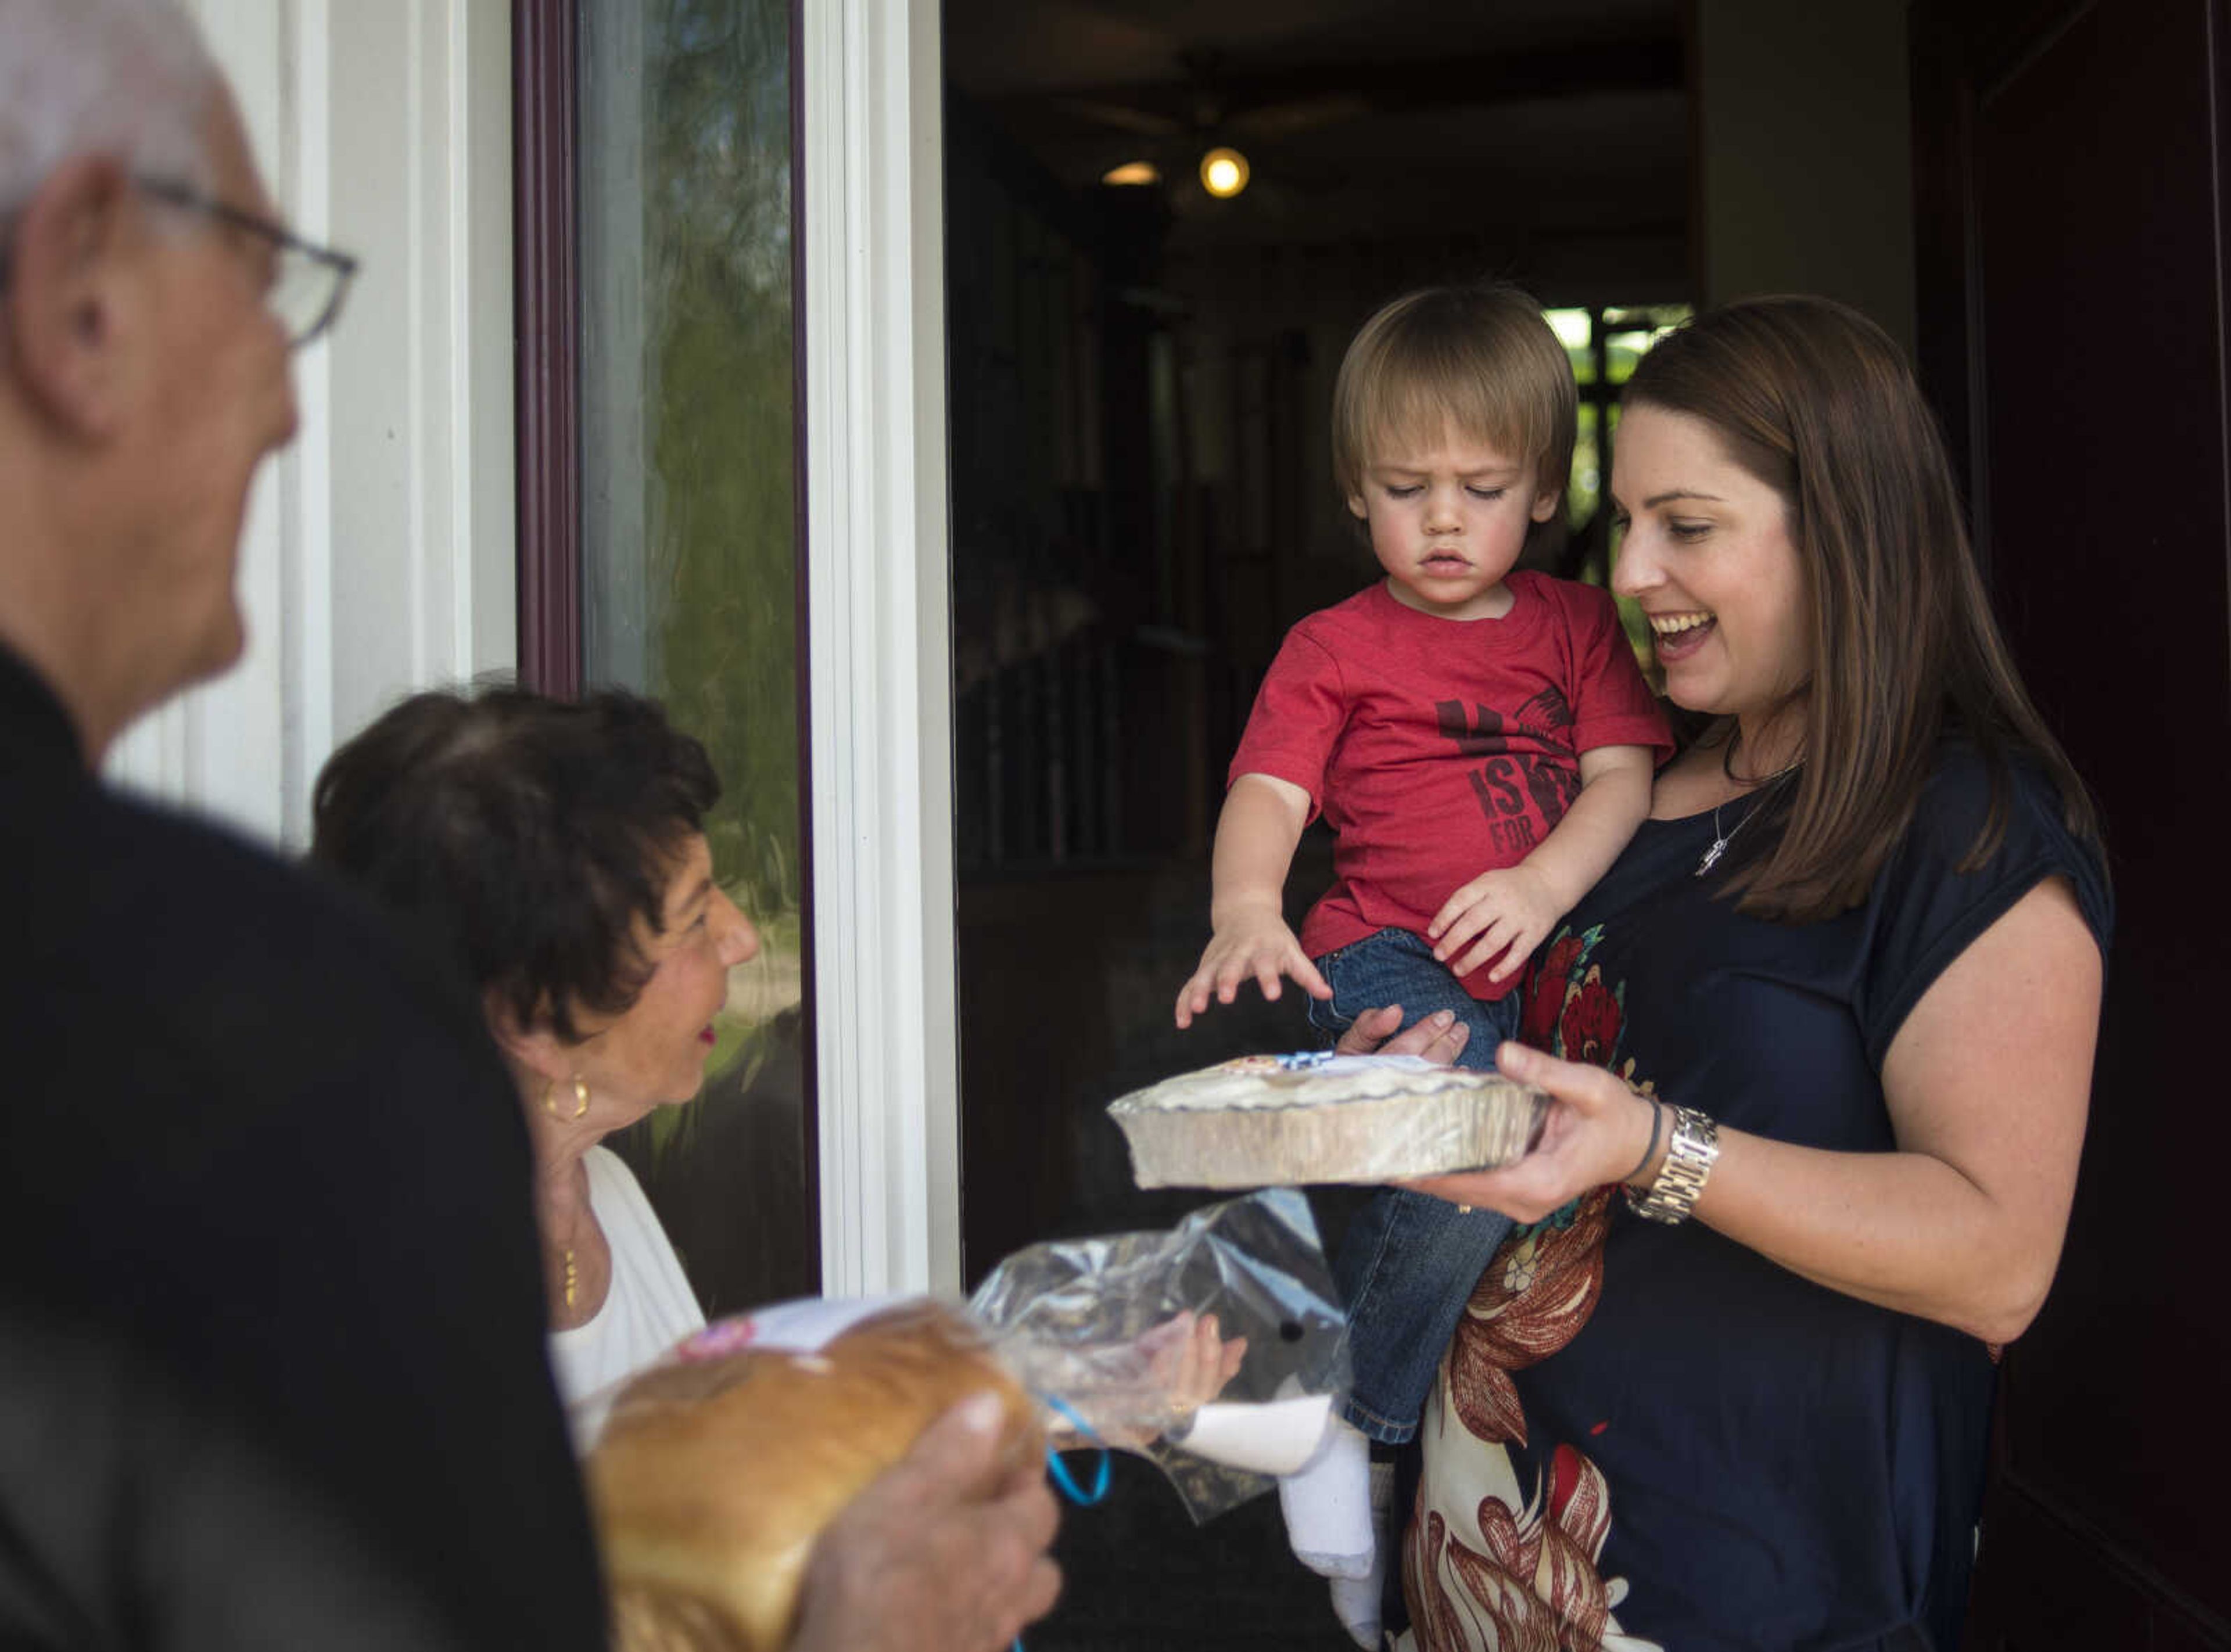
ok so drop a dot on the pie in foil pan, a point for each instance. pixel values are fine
(1289, 1120)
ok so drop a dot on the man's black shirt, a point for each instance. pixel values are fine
(272, 1368)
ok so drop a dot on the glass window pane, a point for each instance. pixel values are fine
(1629, 332)
(690, 550)
(1584, 492)
(1622, 350)
(1575, 332)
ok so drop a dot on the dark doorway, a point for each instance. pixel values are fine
(2071, 174)
(1142, 504)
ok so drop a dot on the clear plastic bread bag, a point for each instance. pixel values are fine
(1090, 1326)
(1105, 1335)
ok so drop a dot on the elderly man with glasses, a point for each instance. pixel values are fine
(270, 1343)
(271, 1352)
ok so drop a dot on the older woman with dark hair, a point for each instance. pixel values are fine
(559, 850)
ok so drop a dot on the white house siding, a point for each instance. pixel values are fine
(380, 551)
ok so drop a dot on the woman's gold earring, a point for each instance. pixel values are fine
(550, 1098)
(580, 1095)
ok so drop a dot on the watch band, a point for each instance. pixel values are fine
(1689, 1152)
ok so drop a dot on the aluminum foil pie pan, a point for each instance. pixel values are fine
(1289, 1120)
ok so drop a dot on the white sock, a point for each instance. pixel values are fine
(1356, 1601)
(1326, 1503)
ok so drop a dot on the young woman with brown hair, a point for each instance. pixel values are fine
(1821, 1046)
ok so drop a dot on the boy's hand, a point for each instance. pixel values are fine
(1254, 943)
(1508, 910)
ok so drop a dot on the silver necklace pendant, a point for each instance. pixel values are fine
(1720, 841)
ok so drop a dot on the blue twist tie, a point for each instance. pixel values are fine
(1059, 1469)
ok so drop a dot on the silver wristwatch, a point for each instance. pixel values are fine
(1689, 1155)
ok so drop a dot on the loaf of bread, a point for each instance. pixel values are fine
(716, 1474)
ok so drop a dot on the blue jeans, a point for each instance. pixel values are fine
(1408, 1262)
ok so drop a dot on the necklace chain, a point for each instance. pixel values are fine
(1728, 763)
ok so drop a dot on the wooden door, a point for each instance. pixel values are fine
(2071, 192)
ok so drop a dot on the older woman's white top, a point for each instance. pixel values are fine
(648, 1308)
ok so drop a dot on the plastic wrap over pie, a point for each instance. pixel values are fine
(1285, 1120)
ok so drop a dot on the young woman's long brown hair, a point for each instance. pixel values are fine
(1815, 400)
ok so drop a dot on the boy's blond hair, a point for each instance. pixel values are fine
(1478, 359)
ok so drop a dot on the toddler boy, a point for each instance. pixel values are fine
(1481, 741)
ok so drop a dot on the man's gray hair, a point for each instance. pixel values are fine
(126, 78)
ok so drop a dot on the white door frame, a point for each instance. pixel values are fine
(878, 581)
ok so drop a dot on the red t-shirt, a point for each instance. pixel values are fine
(1438, 749)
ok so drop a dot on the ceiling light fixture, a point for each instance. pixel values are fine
(1133, 173)
(1224, 172)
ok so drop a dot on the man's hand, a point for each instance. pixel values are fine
(1437, 1037)
(945, 1553)
(1509, 911)
(1254, 942)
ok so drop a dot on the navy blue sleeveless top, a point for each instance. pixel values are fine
(1707, 1451)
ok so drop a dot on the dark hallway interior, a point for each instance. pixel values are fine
(1140, 381)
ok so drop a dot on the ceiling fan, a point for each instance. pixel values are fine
(1197, 132)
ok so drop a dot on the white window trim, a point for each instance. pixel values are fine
(877, 581)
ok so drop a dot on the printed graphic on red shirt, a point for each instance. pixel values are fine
(1517, 786)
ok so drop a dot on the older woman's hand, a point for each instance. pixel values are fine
(1186, 1361)
(1437, 1037)
(1190, 1360)
(1599, 1131)
(945, 1553)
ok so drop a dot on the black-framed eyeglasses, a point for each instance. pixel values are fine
(310, 281)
